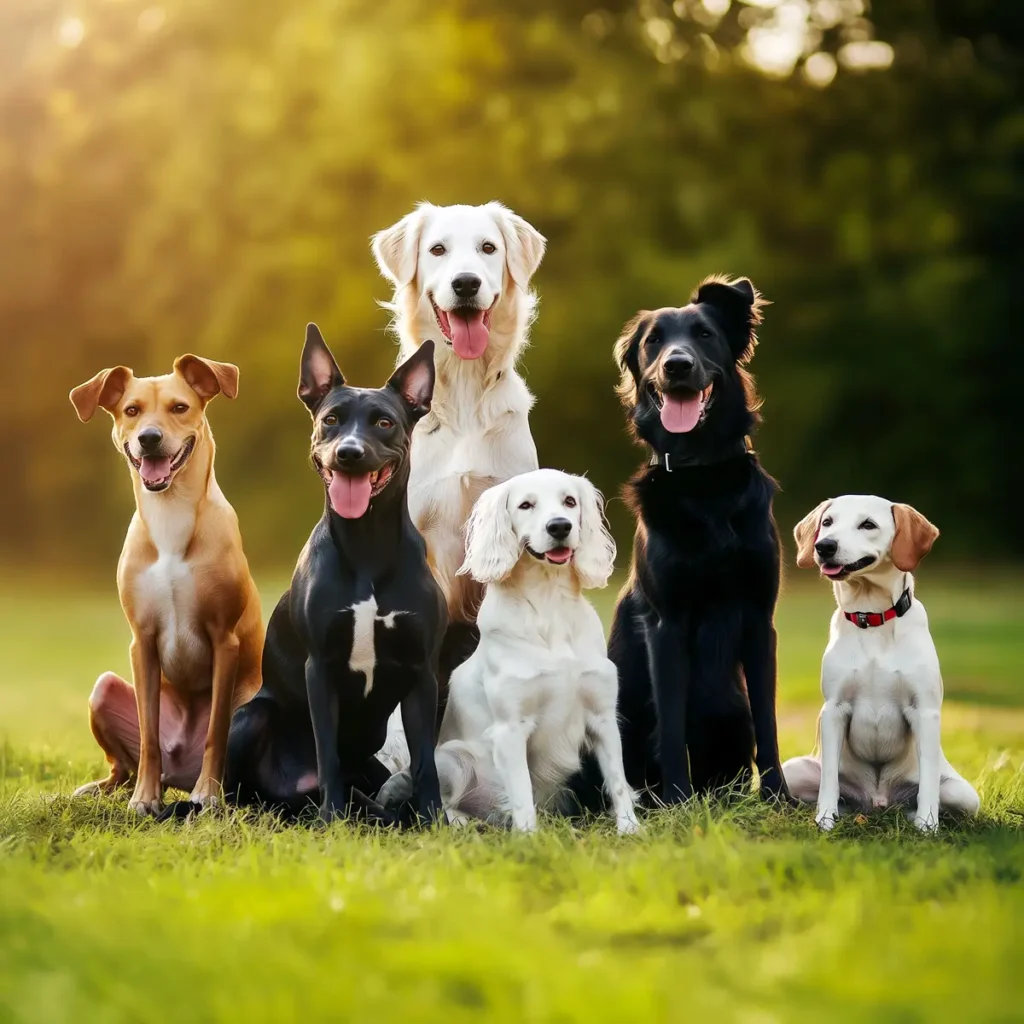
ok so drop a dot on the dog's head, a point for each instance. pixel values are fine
(361, 436)
(682, 368)
(158, 421)
(462, 261)
(545, 517)
(859, 534)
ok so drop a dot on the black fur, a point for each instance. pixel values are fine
(312, 717)
(693, 636)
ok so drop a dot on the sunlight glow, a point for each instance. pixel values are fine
(819, 69)
(71, 32)
(867, 55)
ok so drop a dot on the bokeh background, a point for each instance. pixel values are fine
(180, 175)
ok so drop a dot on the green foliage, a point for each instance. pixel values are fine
(205, 177)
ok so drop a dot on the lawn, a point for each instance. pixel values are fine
(743, 913)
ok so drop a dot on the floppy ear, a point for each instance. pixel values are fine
(737, 305)
(318, 372)
(396, 249)
(595, 557)
(104, 390)
(524, 244)
(492, 547)
(208, 378)
(913, 539)
(626, 348)
(805, 532)
(414, 380)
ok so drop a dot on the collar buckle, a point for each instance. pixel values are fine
(861, 619)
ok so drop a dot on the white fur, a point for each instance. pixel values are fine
(364, 655)
(880, 724)
(539, 689)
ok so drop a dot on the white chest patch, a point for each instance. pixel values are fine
(364, 656)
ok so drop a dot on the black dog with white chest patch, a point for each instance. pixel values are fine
(693, 636)
(359, 631)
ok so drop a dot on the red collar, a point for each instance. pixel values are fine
(897, 611)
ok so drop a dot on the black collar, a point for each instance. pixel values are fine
(897, 611)
(673, 462)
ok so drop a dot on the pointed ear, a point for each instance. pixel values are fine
(318, 372)
(595, 557)
(396, 249)
(414, 380)
(626, 348)
(102, 391)
(208, 378)
(524, 245)
(492, 547)
(913, 539)
(737, 306)
(805, 533)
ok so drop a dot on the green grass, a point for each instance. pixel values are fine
(739, 912)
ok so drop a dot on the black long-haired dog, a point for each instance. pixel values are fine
(359, 631)
(693, 636)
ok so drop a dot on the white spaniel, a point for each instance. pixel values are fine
(879, 729)
(539, 689)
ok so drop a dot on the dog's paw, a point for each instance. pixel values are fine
(627, 825)
(146, 804)
(396, 791)
(206, 795)
(925, 822)
(826, 820)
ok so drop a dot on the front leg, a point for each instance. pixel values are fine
(760, 671)
(323, 713)
(508, 741)
(208, 791)
(670, 682)
(926, 726)
(832, 725)
(419, 714)
(603, 727)
(148, 795)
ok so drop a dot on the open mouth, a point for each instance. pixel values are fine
(466, 329)
(156, 472)
(838, 571)
(350, 494)
(556, 556)
(681, 411)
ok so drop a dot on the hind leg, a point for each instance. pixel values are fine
(803, 776)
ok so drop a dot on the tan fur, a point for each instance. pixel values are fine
(183, 580)
(914, 537)
(804, 533)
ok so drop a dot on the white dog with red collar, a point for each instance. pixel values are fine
(879, 729)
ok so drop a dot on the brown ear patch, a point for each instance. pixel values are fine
(103, 391)
(625, 352)
(208, 378)
(806, 532)
(913, 539)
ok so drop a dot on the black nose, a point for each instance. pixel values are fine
(559, 528)
(678, 366)
(826, 548)
(350, 450)
(465, 285)
(150, 438)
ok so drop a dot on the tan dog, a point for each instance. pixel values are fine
(184, 583)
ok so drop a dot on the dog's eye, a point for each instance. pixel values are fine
(437, 250)
(179, 407)
(131, 410)
(525, 505)
(330, 419)
(570, 502)
(384, 423)
(827, 522)
(868, 524)
(704, 333)
(489, 248)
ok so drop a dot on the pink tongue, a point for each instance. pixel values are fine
(559, 555)
(831, 570)
(154, 470)
(349, 494)
(469, 336)
(680, 415)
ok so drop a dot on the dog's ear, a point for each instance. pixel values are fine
(913, 539)
(492, 547)
(737, 306)
(595, 557)
(626, 353)
(102, 391)
(207, 377)
(318, 372)
(396, 249)
(524, 244)
(414, 380)
(805, 533)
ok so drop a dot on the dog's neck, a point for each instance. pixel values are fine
(875, 592)
(171, 516)
(373, 541)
